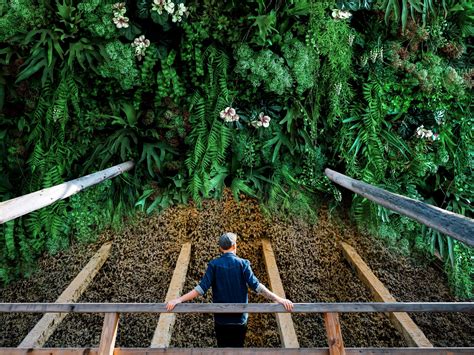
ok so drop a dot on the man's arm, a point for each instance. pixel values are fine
(200, 289)
(184, 298)
(258, 287)
(265, 292)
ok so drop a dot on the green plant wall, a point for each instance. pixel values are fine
(259, 96)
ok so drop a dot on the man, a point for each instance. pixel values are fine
(230, 276)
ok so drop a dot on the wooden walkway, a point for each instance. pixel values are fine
(454, 225)
(55, 313)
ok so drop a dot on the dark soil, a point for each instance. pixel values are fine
(311, 266)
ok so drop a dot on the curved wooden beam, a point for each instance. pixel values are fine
(25, 204)
(455, 225)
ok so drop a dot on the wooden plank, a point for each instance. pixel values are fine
(246, 351)
(343, 307)
(41, 332)
(109, 334)
(285, 324)
(25, 204)
(455, 225)
(401, 321)
(164, 329)
(334, 334)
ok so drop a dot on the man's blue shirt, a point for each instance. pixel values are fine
(229, 276)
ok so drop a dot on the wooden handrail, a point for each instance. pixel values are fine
(356, 307)
(237, 351)
(455, 225)
(25, 204)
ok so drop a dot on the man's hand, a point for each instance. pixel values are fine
(171, 304)
(285, 303)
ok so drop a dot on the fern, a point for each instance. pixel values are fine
(210, 137)
(10, 240)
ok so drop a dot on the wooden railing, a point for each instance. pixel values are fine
(455, 225)
(348, 307)
(331, 310)
(25, 204)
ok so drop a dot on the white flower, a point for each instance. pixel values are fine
(119, 9)
(262, 121)
(422, 132)
(265, 120)
(140, 44)
(340, 15)
(169, 7)
(118, 6)
(181, 9)
(229, 115)
(121, 21)
(158, 6)
(176, 18)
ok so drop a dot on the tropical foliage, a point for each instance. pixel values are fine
(259, 96)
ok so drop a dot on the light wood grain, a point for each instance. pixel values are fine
(109, 334)
(25, 204)
(45, 327)
(334, 335)
(245, 351)
(343, 307)
(455, 225)
(402, 321)
(285, 324)
(164, 329)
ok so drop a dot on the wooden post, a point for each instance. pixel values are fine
(162, 336)
(45, 327)
(455, 225)
(285, 322)
(400, 320)
(334, 334)
(25, 204)
(109, 334)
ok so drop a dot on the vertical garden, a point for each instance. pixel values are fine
(257, 96)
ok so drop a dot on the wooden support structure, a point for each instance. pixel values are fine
(162, 336)
(242, 351)
(334, 335)
(401, 321)
(38, 336)
(286, 327)
(109, 334)
(25, 204)
(342, 307)
(455, 225)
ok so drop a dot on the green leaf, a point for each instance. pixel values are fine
(30, 70)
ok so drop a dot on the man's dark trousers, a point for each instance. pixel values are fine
(230, 335)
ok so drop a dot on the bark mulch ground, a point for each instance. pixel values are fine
(311, 266)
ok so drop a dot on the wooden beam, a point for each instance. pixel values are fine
(164, 329)
(243, 351)
(285, 324)
(25, 204)
(455, 225)
(41, 332)
(109, 334)
(334, 334)
(401, 321)
(344, 307)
